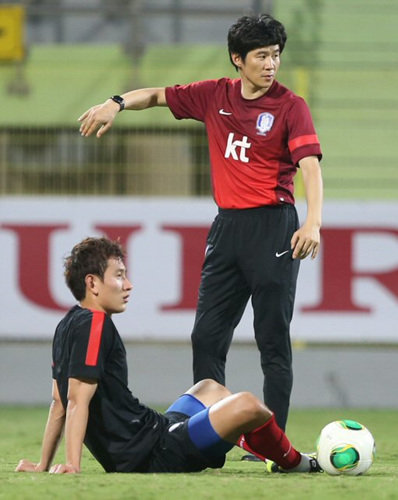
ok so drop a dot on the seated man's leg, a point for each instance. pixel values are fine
(236, 419)
(244, 417)
(203, 394)
(215, 430)
(205, 437)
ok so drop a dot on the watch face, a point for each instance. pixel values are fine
(119, 100)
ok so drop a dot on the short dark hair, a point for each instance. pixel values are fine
(252, 32)
(90, 256)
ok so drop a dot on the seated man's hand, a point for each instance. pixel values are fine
(28, 466)
(63, 469)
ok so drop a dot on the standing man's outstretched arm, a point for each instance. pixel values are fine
(100, 118)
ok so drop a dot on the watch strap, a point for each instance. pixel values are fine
(119, 100)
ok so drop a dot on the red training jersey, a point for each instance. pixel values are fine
(255, 144)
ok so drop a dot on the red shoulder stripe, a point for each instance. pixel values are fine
(304, 140)
(94, 341)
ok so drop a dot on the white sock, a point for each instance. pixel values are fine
(304, 465)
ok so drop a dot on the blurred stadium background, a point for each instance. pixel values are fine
(58, 58)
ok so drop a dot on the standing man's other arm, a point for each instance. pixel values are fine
(100, 118)
(80, 393)
(306, 240)
(52, 436)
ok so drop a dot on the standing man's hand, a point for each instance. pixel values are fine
(98, 118)
(306, 241)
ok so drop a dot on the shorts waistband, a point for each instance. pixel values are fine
(237, 212)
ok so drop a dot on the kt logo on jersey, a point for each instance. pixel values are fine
(232, 145)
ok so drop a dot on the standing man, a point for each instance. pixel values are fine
(259, 133)
(93, 405)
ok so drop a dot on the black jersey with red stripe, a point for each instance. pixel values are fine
(255, 144)
(121, 431)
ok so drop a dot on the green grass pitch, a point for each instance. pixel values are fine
(21, 432)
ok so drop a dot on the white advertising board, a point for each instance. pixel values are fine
(348, 294)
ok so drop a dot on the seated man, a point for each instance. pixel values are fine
(93, 405)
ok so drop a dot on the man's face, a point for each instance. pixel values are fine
(114, 290)
(259, 69)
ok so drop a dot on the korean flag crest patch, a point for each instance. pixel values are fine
(264, 123)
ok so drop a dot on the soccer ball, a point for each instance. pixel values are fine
(345, 447)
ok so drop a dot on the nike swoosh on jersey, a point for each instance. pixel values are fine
(222, 112)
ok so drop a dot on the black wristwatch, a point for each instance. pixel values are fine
(119, 100)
